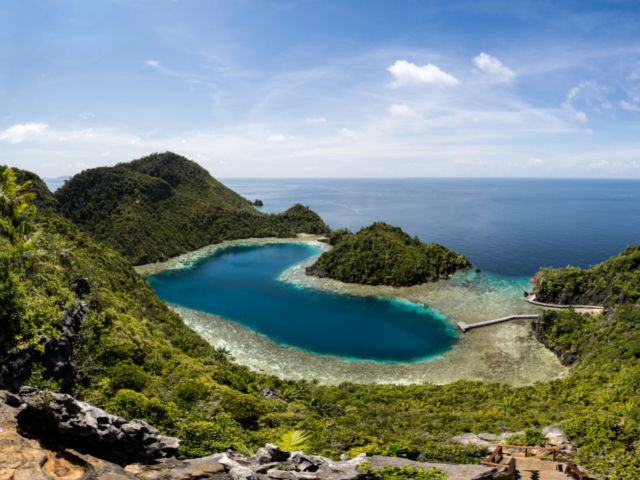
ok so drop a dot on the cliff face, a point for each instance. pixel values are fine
(55, 355)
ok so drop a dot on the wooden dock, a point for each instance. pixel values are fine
(464, 327)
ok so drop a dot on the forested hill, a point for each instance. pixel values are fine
(164, 205)
(382, 254)
(615, 281)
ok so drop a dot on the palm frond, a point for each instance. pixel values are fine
(294, 440)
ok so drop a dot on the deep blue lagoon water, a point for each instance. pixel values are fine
(240, 284)
(505, 226)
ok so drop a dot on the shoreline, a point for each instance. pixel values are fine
(507, 353)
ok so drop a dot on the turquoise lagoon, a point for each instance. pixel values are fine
(241, 284)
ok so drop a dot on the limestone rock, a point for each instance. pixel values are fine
(73, 424)
(471, 438)
(57, 358)
(556, 437)
(24, 458)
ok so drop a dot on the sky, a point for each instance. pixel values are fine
(324, 88)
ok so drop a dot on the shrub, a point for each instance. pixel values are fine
(205, 437)
(128, 377)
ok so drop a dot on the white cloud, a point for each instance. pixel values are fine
(152, 63)
(411, 75)
(317, 120)
(615, 165)
(632, 107)
(470, 163)
(574, 114)
(276, 138)
(347, 132)
(78, 165)
(87, 115)
(535, 162)
(401, 110)
(22, 132)
(493, 68)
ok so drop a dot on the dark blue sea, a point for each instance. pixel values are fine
(505, 226)
(508, 228)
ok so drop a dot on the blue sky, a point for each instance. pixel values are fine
(349, 88)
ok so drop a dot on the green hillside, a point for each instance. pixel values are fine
(137, 359)
(385, 255)
(615, 281)
(164, 205)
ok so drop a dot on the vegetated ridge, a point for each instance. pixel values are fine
(615, 281)
(164, 205)
(382, 254)
(137, 359)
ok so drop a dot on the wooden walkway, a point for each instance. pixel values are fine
(517, 466)
(464, 327)
(532, 300)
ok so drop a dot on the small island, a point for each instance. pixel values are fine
(257, 203)
(382, 254)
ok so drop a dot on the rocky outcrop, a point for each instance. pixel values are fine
(46, 436)
(55, 355)
(61, 420)
(554, 434)
(24, 458)
(313, 270)
(483, 439)
(556, 437)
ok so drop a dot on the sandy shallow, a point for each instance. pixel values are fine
(506, 352)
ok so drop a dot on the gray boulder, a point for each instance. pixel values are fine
(556, 437)
(473, 439)
(87, 429)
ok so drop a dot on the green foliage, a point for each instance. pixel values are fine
(615, 281)
(32, 290)
(201, 437)
(531, 438)
(16, 212)
(164, 205)
(384, 255)
(294, 440)
(129, 377)
(409, 472)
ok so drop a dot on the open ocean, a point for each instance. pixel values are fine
(506, 226)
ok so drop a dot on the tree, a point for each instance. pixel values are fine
(16, 214)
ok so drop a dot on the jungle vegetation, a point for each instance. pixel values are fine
(615, 281)
(163, 205)
(382, 254)
(137, 359)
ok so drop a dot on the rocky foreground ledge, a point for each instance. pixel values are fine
(46, 436)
